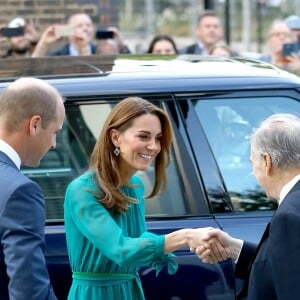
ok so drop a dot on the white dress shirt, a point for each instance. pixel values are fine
(11, 153)
(74, 52)
(204, 50)
(286, 188)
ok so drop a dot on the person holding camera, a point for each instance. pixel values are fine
(80, 32)
(21, 36)
(110, 42)
(80, 38)
(283, 51)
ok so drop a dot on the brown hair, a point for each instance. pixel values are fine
(207, 13)
(27, 97)
(161, 37)
(105, 163)
(221, 45)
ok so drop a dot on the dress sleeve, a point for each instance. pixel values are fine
(162, 259)
(95, 222)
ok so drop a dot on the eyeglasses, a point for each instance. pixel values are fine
(280, 34)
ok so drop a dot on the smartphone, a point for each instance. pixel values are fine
(104, 34)
(11, 31)
(63, 30)
(289, 48)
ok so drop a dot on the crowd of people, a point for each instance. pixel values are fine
(83, 39)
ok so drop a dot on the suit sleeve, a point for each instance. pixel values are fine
(245, 259)
(285, 253)
(23, 244)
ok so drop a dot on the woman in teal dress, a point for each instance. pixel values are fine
(105, 224)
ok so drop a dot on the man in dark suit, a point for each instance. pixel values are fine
(271, 269)
(80, 37)
(80, 41)
(80, 32)
(209, 32)
(31, 114)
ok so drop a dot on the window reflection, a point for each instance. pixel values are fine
(228, 124)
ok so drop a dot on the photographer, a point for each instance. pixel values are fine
(80, 33)
(110, 42)
(278, 36)
(21, 36)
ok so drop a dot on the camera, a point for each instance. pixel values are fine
(289, 48)
(104, 34)
(12, 31)
(63, 30)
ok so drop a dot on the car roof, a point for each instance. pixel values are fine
(148, 73)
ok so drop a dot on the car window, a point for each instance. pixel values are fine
(228, 124)
(71, 158)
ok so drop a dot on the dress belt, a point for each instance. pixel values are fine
(106, 279)
(103, 277)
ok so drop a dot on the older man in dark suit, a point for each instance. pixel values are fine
(271, 269)
(31, 114)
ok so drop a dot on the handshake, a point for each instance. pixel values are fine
(213, 245)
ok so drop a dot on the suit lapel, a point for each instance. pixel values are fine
(264, 237)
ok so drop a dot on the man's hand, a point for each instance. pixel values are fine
(48, 36)
(294, 63)
(206, 241)
(218, 244)
(31, 33)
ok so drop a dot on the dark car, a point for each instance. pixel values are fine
(213, 104)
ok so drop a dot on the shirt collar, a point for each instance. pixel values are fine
(203, 49)
(286, 188)
(11, 153)
(74, 52)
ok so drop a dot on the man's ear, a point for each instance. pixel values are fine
(34, 124)
(114, 135)
(268, 164)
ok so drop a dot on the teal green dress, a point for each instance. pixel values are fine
(106, 249)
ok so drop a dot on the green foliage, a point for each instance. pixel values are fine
(174, 22)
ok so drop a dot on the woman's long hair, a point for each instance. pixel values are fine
(105, 163)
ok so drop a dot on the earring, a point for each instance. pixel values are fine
(117, 151)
